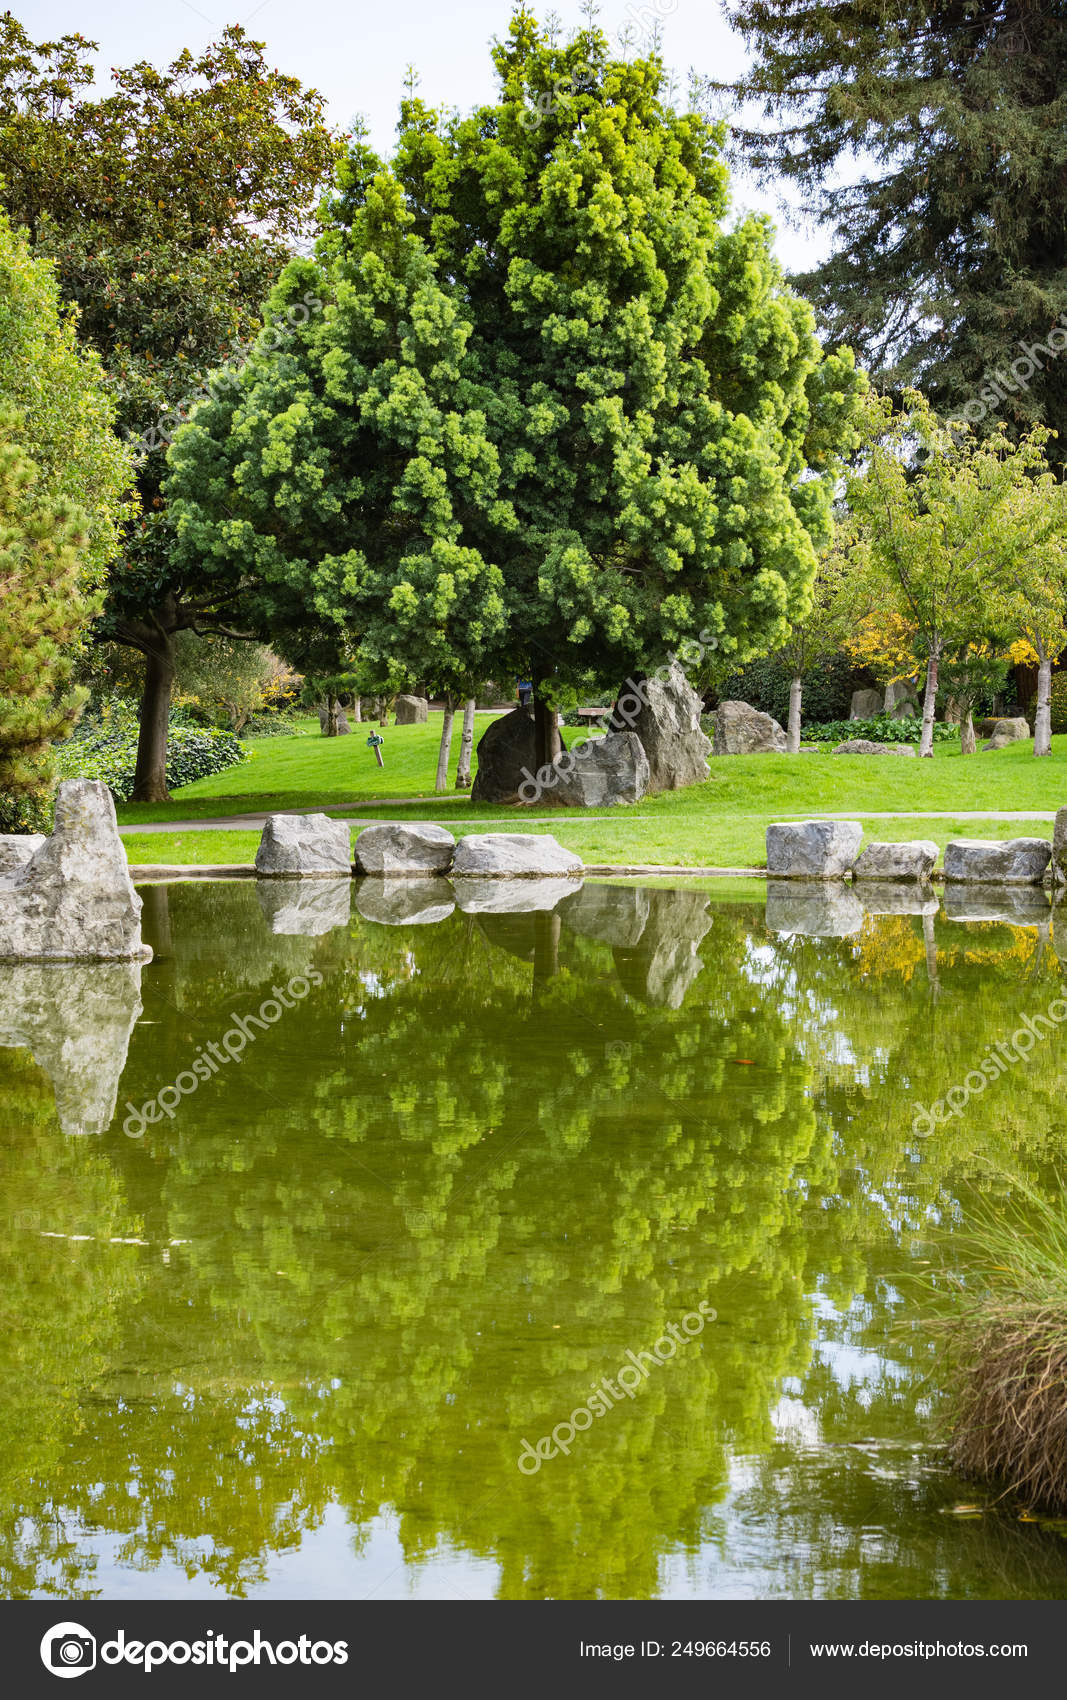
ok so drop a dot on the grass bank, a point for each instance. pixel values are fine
(719, 823)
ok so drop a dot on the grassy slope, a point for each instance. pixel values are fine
(720, 823)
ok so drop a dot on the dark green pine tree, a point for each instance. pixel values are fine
(932, 142)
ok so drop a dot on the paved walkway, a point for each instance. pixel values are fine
(254, 823)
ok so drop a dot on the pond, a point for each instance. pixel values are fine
(322, 1227)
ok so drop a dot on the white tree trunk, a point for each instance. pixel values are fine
(1043, 717)
(466, 748)
(926, 744)
(447, 720)
(796, 690)
(356, 710)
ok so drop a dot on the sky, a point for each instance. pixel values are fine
(356, 53)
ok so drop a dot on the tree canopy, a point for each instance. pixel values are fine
(556, 417)
(169, 207)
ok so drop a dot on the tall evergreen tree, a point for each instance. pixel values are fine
(45, 611)
(931, 142)
(552, 392)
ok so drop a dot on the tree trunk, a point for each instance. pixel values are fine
(357, 710)
(926, 745)
(466, 747)
(150, 777)
(930, 943)
(445, 749)
(546, 734)
(1043, 717)
(796, 689)
(546, 947)
(968, 741)
(330, 718)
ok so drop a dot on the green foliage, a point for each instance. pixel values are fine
(168, 206)
(1059, 702)
(929, 140)
(555, 416)
(878, 729)
(109, 752)
(44, 612)
(62, 394)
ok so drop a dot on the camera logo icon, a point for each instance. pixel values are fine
(68, 1649)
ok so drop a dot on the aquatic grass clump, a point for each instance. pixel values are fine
(1007, 1384)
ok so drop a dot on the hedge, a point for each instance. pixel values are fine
(110, 754)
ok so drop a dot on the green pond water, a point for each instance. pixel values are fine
(287, 1335)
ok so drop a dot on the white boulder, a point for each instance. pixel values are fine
(397, 849)
(813, 849)
(303, 847)
(73, 899)
(500, 854)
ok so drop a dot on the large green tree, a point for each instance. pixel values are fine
(169, 207)
(930, 142)
(548, 365)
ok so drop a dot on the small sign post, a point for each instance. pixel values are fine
(375, 742)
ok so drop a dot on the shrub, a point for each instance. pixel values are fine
(881, 730)
(108, 751)
(1059, 702)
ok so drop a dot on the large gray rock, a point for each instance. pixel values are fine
(76, 1018)
(1007, 731)
(73, 898)
(475, 896)
(305, 911)
(663, 964)
(915, 860)
(1013, 729)
(499, 854)
(404, 902)
(303, 847)
(615, 915)
(600, 772)
(507, 760)
(1013, 861)
(866, 705)
(741, 730)
(1015, 906)
(813, 849)
(1059, 848)
(901, 700)
(17, 848)
(818, 909)
(343, 728)
(664, 710)
(395, 849)
(411, 711)
(866, 747)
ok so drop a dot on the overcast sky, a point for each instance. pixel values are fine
(356, 53)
